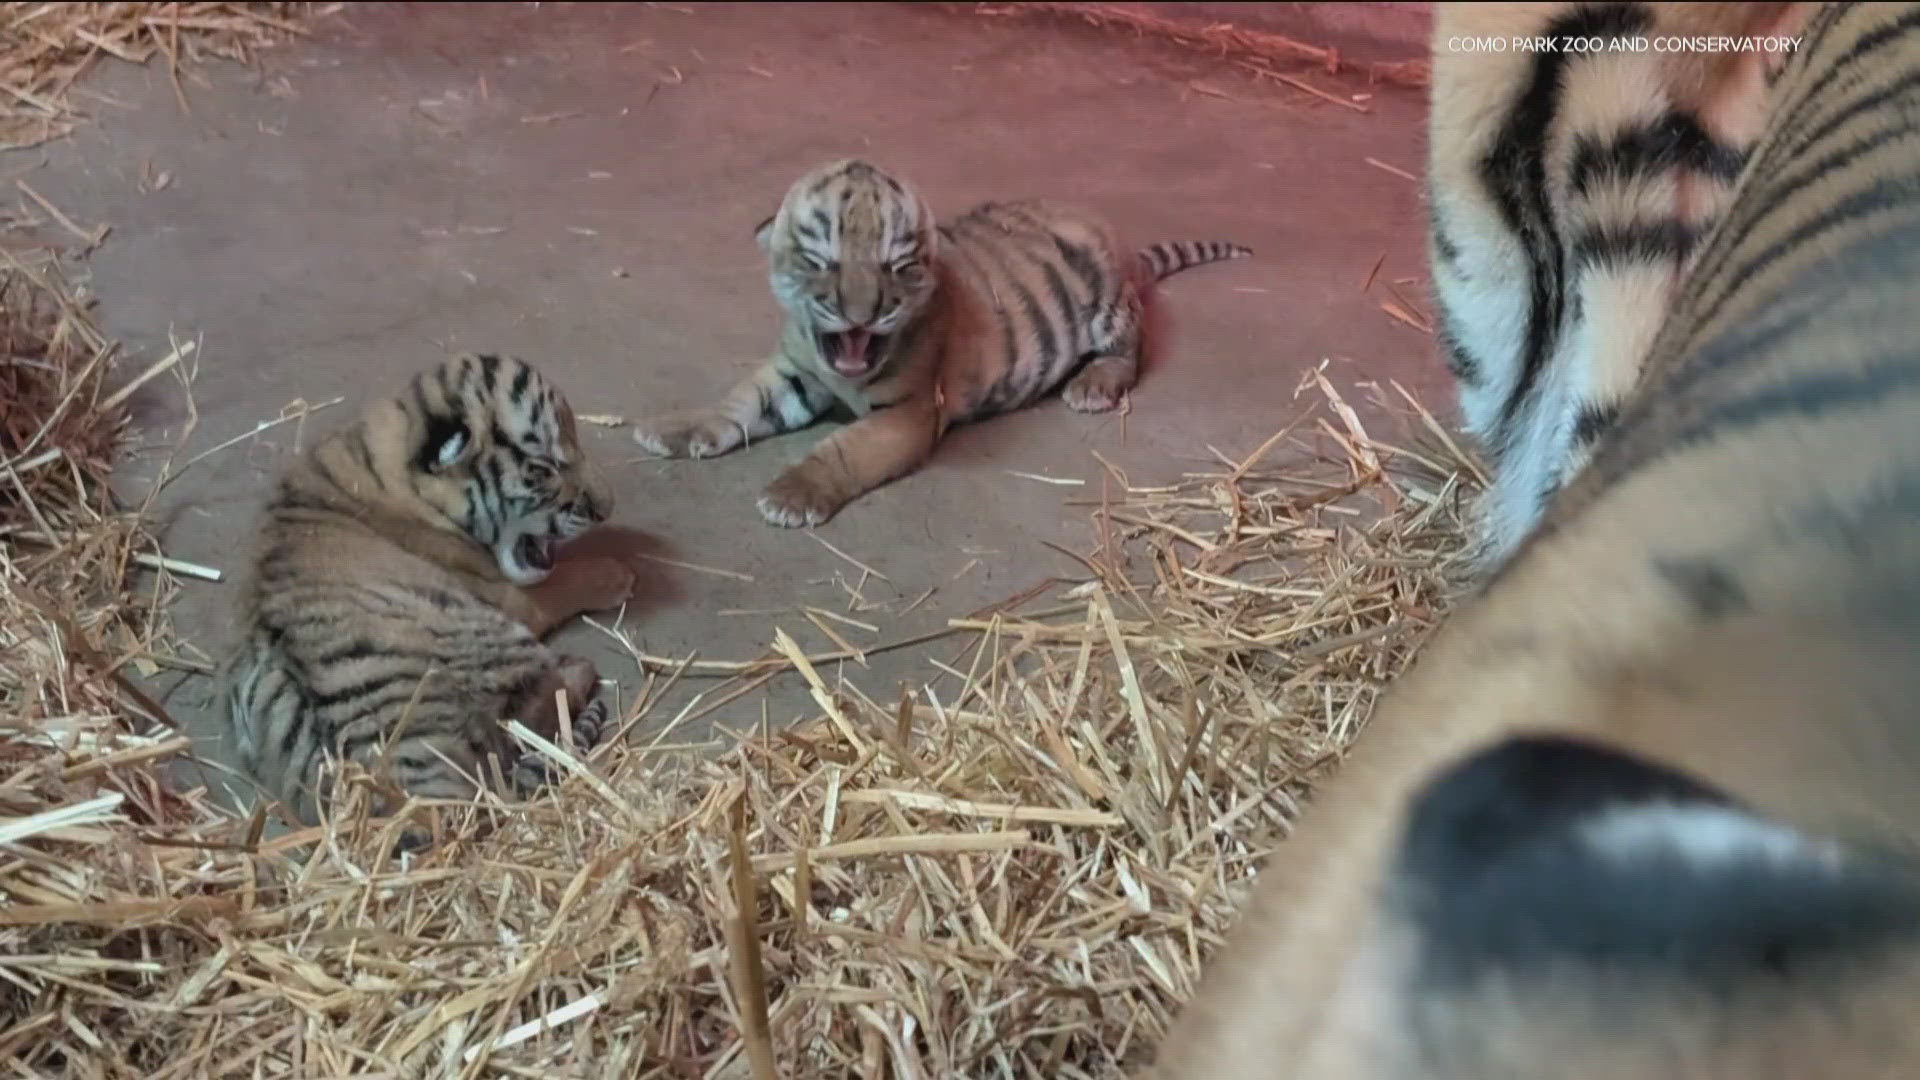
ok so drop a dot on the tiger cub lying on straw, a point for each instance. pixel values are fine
(912, 327)
(404, 578)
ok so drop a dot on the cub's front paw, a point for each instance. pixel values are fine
(689, 436)
(796, 501)
(595, 583)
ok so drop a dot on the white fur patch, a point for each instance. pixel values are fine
(1706, 837)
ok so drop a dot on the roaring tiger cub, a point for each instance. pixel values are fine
(1648, 808)
(1569, 189)
(406, 573)
(911, 327)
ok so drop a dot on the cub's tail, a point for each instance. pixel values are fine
(1160, 261)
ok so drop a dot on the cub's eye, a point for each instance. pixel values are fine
(813, 262)
(539, 472)
(903, 267)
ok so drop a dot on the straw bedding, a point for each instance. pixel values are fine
(1014, 868)
(46, 48)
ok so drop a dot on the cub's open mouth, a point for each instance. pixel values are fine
(534, 552)
(851, 352)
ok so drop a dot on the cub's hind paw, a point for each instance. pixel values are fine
(794, 502)
(590, 727)
(534, 771)
(1100, 386)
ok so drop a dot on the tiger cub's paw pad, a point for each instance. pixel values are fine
(793, 502)
(677, 437)
(1099, 387)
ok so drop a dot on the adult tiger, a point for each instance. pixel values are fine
(1647, 808)
(1577, 156)
(911, 327)
(405, 576)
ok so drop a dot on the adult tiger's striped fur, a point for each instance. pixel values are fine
(1648, 808)
(1568, 190)
(405, 576)
(912, 326)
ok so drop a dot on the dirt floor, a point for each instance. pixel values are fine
(577, 184)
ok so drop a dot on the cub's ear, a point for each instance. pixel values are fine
(763, 233)
(447, 444)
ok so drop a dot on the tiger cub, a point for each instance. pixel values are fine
(1569, 189)
(911, 327)
(405, 575)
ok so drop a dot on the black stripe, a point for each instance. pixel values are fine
(295, 716)
(506, 444)
(1443, 246)
(1049, 345)
(436, 597)
(521, 377)
(374, 696)
(354, 648)
(796, 385)
(353, 747)
(1084, 266)
(1639, 242)
(1804, 395)
(1676, 140)
(1071, 323)
(1460, 361)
